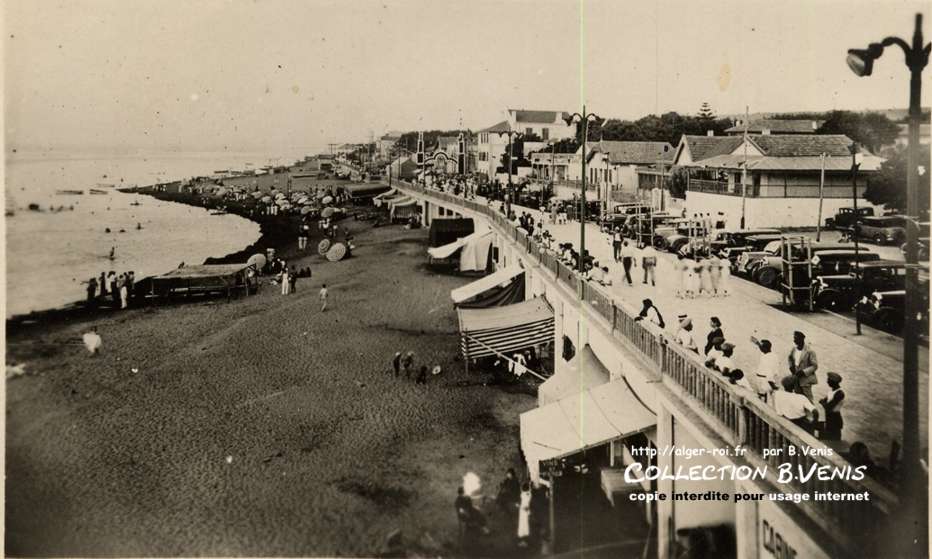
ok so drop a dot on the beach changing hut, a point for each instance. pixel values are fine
(502, 330)
(474, 251)
(228, 279)
(500, 288)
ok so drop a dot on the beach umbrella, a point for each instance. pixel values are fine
(303, 200)
(327, 199)
(337, 252)
(306, 210)
(258, 261)
(221, 192)
(279, 196)
(326, 212)
(266, 199)
(257, 194)
(323, 246)
(273, 191)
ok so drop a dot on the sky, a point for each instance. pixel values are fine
(264, 75)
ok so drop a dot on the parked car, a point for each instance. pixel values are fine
(640, 226)
(766, 267)
(752, 243)
(839, 292)
(840, 261)
(620, 213)
(675, 234)
(882, 230)
(886, 309)
(845, 217)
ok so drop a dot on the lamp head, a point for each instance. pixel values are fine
(569, 119)
(861, 61)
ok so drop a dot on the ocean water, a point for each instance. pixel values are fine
(50, 255)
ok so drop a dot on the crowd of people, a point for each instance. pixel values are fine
(403, 363)
(111, 289)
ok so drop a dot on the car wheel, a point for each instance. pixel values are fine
(878, 239)
(889, 320)
(767, 277)
(660, 243)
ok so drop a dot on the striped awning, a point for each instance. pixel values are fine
(498, 330)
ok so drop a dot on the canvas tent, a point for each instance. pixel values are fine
(403, 209)
(203, 278)
(379, 199)
(447, 230)
(583, 372)
(503, 287)
(474, 251)
(365, 191)
(500, 330)
(580, 421)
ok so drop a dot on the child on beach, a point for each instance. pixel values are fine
(323, 298)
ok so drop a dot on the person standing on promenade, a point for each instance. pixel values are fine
(684, 336)
(803, 364)
(793, 406)
(832, 405)
(616, 242)
(716, 332)
(705, 277)
(715, 273)
(627, 260)
(679, 267)
(91, 293)
(650, 313)
(649, 263)
(724, 280)
(323, 297)
(767, 369)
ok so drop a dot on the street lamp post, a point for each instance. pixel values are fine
(854, 228)
(510, 193)
(584, 119)
(861, 63)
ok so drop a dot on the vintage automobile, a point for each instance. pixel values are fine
(751, 243)
(766, 267)
(620, 213)
(889, 229)
(839, 292)
(823, 262)
(886, 309)
(641, 226)
(674, 235)
(845, 217)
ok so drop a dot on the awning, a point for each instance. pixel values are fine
(475, 254)
(499, 279)
(585, 371)
(447, 250)
(581, 421)
(485, 332)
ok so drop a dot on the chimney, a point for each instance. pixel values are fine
(710, 132)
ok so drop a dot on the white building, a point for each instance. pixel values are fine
(546, 125)
(611, 166)
(783, 183)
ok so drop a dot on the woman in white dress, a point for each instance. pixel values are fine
(524, 515)
(681, 267)
(725, 277)
(705, 277)
(286, 286)
(715, 272)
(692, 277)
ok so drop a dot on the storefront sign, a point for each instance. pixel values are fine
(551, 468)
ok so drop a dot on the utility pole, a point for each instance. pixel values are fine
(854, 228)
(818, 235)
(744, 173)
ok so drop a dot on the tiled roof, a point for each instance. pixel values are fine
(502, 126)
(704, 147)
(802, 145)
(635, 152)
(777, 126)
(795, 163)
(541, 117)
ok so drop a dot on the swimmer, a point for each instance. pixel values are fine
(138, 226)
(107, 230)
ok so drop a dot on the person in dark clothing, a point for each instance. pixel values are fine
(396, 363)
(716, 332)
(508, 492)
(114, 289)
(421, 375)
(103, 285)
(472, 523)
(832, 405)
(92, 293)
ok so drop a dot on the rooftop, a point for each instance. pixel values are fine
(502, 126)
(777, 126)
(541, 117)
(633, 152)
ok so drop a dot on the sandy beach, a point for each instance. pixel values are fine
(259, 426)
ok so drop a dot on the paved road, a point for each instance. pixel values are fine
(871, 364)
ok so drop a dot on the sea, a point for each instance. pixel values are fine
(52, 252)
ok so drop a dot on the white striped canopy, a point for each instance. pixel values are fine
(498, 330)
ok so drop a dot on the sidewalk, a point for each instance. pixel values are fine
(870, 365)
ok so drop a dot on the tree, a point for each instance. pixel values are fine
(888, 186)
(871, 130)
(705, 112)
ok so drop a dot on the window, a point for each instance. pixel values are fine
(484, 138)
(545, 134)
(528, 131)
(483, 156)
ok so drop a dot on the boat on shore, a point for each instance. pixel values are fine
(66, 191)
(98, 191)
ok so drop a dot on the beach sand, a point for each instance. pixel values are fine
(259, 426)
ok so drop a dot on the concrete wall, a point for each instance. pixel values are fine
(767, 212)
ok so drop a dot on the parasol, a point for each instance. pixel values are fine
(323, 246)
(327, 199)
(266, 199)
(337, 252)
(306, 210)
(257, 260)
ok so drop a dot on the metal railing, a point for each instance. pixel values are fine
(740, 420)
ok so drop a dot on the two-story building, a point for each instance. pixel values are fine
(611, 166)
(783, 185)
(537, 127)
(386, 143)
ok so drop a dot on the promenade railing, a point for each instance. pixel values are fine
(741, 421)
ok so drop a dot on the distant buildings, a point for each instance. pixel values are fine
(776, 126)
(611, 166)
(538, 127)
(386, 143)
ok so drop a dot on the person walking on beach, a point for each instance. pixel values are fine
(92, 293)
(323, 297)
(286, 281)
(524, 515)
(114, 289)
(292, 280)
(407, 362)
(92, 341)
(396, 363)
(130, 286)
(103, 286)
